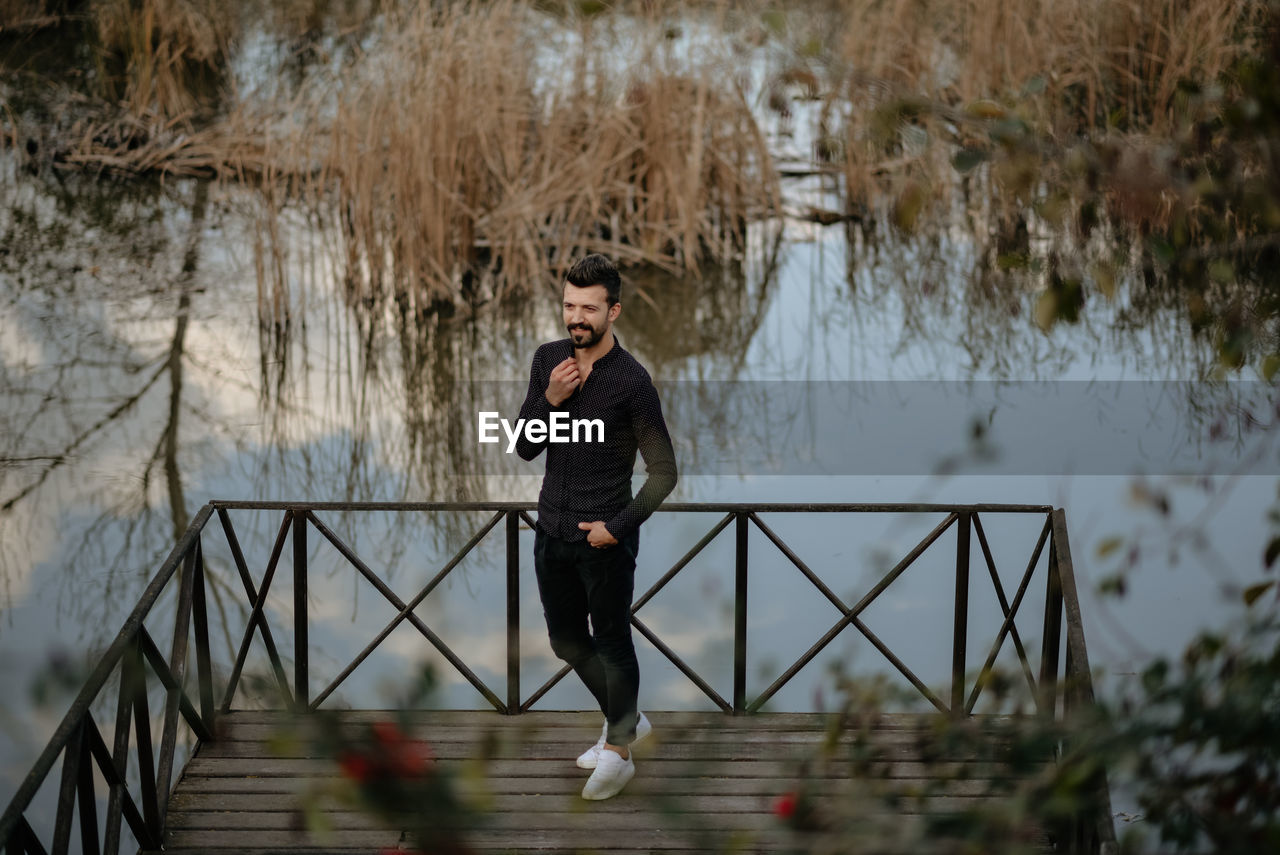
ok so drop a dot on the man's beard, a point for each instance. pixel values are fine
(592, 336)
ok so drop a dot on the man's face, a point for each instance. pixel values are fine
(587, 313)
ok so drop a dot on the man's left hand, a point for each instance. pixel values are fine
(597, 535)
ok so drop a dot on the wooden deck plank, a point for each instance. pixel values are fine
(535, 749)
(550, 816)
(578, 718)
(544, 768)
(703, 780)
(566, 798)
(583, 736)
(521, 840)
(290, 787)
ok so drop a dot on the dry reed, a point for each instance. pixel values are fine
(462, 162)
(1103, 64)
(909, 74)
(25, 15)
(468, 150)
(162, 57)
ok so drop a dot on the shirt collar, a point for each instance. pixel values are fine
(613, 351)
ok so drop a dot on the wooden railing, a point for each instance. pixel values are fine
(133, 655)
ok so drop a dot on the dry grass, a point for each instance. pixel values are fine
(469, 150)
(162, 57)
(1103, 63)
(26, 15)
(463, 159)
(1064, 68)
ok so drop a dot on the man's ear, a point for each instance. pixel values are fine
(614, 311)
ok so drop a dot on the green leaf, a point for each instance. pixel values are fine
(1009, 130)
(1222, 271)
(986, 109)
(1109, 545)
(1270, 366)
(968, 158)
(316, 818)
(774, 20)
(1104, 276)
(1114, 586)
(1272, 553)
(1162, 250)
(1253, 592)
(1046, 311)
(1155, 674)
(908, 206)
(1035, 86)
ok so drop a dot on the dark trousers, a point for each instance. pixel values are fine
(577, 581)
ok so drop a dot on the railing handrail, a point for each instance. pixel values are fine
(673, 507)
(78, 734)
(98, 677)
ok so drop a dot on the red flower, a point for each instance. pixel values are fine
(402, 756)
(355, 766)
(785, 806)
(414, 759)
(388, 733)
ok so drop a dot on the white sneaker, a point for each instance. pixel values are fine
(610, 776)
(589, 758)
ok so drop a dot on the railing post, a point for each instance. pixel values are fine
(178, 670)
(71, 759)
(740, 617)
(1048, 682)
(200, 620)
(301, 651)
(89, 842)
(960, 635)
(136, 677)
(513, 612)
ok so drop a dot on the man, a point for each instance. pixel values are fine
(588, 534)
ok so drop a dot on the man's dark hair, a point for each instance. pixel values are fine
(595, 269)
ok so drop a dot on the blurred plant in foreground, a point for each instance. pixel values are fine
(388, 771)
(1193, 743)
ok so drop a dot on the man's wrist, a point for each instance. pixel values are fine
(547, 395)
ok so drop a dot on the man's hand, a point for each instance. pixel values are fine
(597, 535)
(564, 379)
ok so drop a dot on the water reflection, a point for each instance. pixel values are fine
(952, 286)
(149, 365)
(119, 294)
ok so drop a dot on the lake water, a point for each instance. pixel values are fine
(830, 368)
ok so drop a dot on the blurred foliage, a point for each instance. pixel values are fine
(1191, 741)
(1116, 159)
(388, 771)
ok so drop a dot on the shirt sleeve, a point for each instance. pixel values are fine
(654, 443)
(535, 406)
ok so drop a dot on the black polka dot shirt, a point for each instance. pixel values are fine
(589, 481)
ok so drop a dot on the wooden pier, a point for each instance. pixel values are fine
(706, 781)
